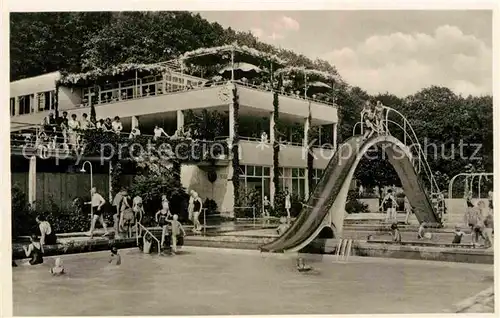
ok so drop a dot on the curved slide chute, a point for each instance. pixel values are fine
(326, 204)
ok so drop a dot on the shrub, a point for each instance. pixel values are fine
(211, 206)
(249, 198)
(353, 205)
(64, 220)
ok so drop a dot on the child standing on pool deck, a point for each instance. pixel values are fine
(421, 230)
(176, 230)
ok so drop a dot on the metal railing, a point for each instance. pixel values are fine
(147, 232)
(268, 141)
(254, 216)
(419, 159)
(467, 175)
(267, 88)
(45, 141)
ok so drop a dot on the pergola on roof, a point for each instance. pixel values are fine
(122, 70)
(222, 55)
(312, 75)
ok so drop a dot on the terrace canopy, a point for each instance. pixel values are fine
(308, 81)
(214, 58)
(115, 73)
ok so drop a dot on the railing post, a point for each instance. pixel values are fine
(362, 126)
(204, 222)
(404, 131)
(253, 211)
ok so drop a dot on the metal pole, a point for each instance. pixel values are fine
(404, 131)
(305, 84)
(253, 211)
(232, 64)
(272, 77)
(204, 222)
(136, 84)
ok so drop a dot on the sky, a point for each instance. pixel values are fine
(399, 52)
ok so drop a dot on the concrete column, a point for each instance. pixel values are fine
(335, 136)
(307, 125)
(16, 105)
(36, 102)
(271, 128)
(272, 190)
(110, 183)
(33, 103)
(32, 180)
(164, 83)
(135, 122)
(231, 122)
(180, 119)
(272, 138)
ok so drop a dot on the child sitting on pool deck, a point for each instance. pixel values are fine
(421, 230)
(115, 256)
(458, 235)
(34, 250)
(396, 234)
(58, 269)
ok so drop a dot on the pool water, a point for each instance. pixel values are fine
(205, 281)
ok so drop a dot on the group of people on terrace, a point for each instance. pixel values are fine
(66, 132)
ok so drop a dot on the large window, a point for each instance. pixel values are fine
(256, 177)
(317, 173)
(25, 104)
(45, 101)
(12, 106)
(294, 179)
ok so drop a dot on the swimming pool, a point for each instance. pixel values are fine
(206, 281)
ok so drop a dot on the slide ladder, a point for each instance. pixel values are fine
(326, 204)
(343, 251)
(396, 124)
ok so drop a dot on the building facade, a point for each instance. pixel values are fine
(150, 99)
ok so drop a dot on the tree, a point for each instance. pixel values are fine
(42, 42)
(207, 124)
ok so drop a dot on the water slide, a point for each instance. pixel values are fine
(326, 203)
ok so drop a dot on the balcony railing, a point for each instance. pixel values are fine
(159, 88)
(46, 143)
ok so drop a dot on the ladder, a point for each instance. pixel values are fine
(343, 251)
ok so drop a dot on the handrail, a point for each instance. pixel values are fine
(284, 142)
(147, 232)
(427, 168)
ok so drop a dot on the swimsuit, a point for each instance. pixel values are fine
(50, 239)
(36, 256)
(162, 219)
